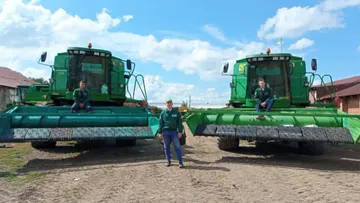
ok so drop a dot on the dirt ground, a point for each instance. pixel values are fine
(138, 174)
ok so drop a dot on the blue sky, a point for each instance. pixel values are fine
(169, 38)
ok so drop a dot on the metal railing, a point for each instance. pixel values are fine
(331, 92)
(142, 87)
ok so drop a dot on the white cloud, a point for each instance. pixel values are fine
(26, 30)
(215, 32)
(127, 17)
(158, 90)
(34, 1)
(316, 82)
(330, 5)
(295, 21)
(36, 73)
(32, 29)
(301, 44)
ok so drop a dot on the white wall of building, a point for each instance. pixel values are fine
(7, 96)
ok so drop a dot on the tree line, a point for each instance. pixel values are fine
(40, 80)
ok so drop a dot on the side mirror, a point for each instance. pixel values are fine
(313, 64)
(226, 68)
(43, 56)
(128, 64)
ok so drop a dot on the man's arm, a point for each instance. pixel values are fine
(76, 96)
(161, 123)
(257, 95)
(270, 94)
(86, 99)
(179, 123)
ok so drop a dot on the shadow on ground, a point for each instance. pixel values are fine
(82, 156)
(203, 165)
(340, 158)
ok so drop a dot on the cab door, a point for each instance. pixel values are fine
(116, 86)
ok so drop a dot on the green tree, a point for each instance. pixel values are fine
(155, 110)
(184, 104)
(40, 80)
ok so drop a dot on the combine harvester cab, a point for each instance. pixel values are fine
(107, 82)
(293, 118)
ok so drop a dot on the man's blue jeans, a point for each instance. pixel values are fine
(75, 107)
(168, 137)
(268, 106)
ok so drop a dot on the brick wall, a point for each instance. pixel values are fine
(351, 104)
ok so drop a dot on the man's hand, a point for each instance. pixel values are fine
(81, 105)
(179, 135)
(263, 104)
(160, 136)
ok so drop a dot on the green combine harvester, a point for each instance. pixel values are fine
(293, 118)
(107, 79)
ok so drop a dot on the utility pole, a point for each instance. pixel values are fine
(189, 101)
(280, 42)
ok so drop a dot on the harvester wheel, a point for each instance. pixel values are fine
(126, 143)
(43, 144)
(228, 143)
(312, 148)
(183, 139)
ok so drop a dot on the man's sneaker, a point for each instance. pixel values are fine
(168, 164)
(181, 165)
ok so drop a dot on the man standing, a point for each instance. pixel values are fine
(263, 97)
(170, 130)
(81, 98)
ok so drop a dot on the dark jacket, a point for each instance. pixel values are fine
(81, 96)
(261, 96)
(170, 120)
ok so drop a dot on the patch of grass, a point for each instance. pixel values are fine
(12, 159)
(66, 143)
(13, 176)
(7, 174)
(29, 176)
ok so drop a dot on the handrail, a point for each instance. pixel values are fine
(136, 82)
(322, 83)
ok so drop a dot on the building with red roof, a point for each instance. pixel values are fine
(348, 90)
(9, 80)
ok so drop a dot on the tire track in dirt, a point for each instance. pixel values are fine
(5, 195)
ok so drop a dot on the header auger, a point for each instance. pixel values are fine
(291, 119)
(107, 80)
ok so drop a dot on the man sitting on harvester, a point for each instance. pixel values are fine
(81, 98)
(264, 98)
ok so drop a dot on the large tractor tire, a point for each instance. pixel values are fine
(126, 143)
(183, 139)
(228, 143)
(43, 144)
(312, 148)
(90, 143)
